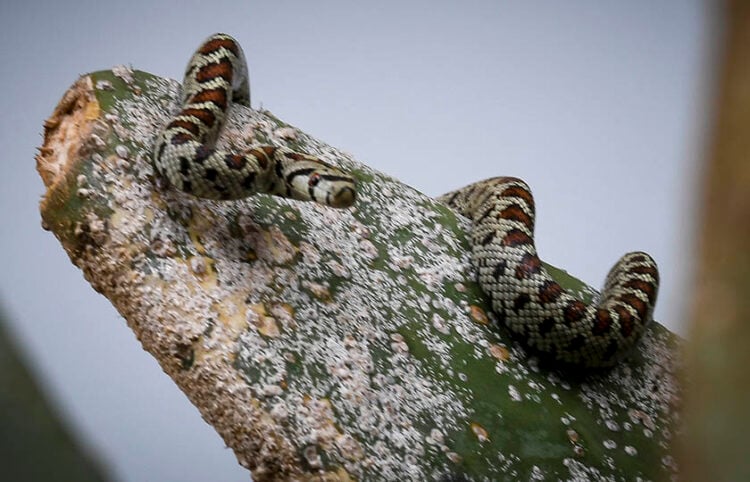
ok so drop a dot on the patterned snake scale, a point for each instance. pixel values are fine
(524, 296)
(185, 155)
(530, 302)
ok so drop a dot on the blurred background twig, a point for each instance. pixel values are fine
(718, 413)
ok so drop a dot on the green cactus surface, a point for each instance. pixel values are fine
(338, 344)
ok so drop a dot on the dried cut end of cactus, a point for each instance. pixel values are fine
(70, 122)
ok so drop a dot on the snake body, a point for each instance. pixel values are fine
(185, 152)
(524, 296)
(529, 302)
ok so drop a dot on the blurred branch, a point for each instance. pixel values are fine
(719, 395)
(34, 443)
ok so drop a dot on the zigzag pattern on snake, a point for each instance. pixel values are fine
(524, 296)
(530, 302)
(185, 152)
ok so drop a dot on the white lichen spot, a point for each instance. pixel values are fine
(163, 247)
(286, 133)
(266, 325)
(536, 473)
(282, 250)
(609, 444)
(84, 193)
(430, 278)
(439, 324)
(279, 411)
(612, 425)
(122, 151)
(284, 314)
(198, 265)
(312, 457)
(398, 344)
(639, 416)
(368, 249)
(514, 394)
(454, 457)
(317, 415)
(630, 450)
(104, 85)
(310, 254)
(340, 372)
(272, 390)
(248, 133)
(361, 230)
(669, 461)
(435, 437)
(402, 262)
(338, 269)
(97, 141)
(319, 291)
(350, 447)
(124, 73)
(460, 287)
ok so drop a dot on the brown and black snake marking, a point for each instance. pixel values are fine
(526, 298)
(185, 150)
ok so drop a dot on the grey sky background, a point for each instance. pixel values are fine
(600, 105)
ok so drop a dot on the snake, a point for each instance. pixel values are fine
(523, 295)
(185, 151)
(530, 303)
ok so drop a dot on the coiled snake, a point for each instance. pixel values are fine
(530, 302)
(184, 152)
(524, 296)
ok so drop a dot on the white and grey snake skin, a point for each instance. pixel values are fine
(530, 302)
(184, 152)
(524, 296)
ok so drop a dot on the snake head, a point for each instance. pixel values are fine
(310, 179)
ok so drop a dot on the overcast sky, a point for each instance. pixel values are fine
(599, 105)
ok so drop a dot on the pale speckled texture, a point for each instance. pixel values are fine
(351, 340)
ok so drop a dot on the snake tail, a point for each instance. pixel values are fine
(527, 300)
(186, 155)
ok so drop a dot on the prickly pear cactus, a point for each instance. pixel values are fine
(332, 344)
